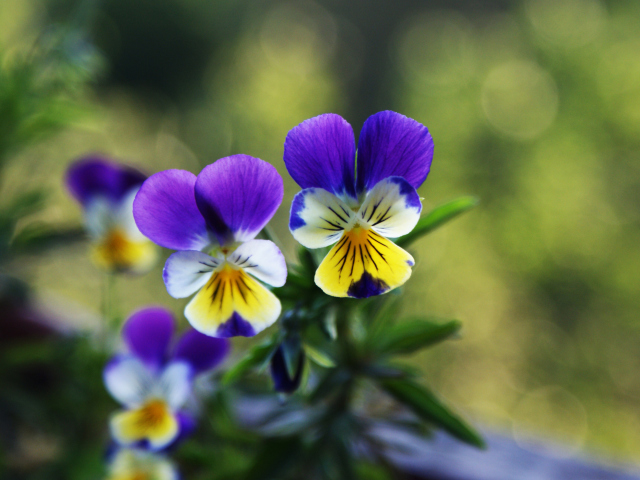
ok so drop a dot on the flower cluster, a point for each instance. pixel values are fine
(212, 220)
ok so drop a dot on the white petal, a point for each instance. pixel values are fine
(124, 216)
(392, 208)
(262, 259)
(187, 272)
(99, 216)
(175, 384)
(128, 381)
(318, 218)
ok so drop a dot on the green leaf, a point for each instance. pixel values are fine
(274, 458)
(258, 356)
(438, 216)
(328, 323)
(407, 337)
(334, 381)
(36, 238)
(428, 407)
(291, 351)
(319, 356)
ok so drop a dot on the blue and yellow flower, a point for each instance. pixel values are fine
(106, 190)
(358, 205)
(213, 219)
(154, 385)
(137, 464)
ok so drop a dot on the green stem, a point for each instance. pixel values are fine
(108, 315)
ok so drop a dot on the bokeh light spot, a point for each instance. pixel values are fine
(520, 99)
(569, 23)
(551, 409)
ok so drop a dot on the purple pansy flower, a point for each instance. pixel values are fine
(212, 219)
(153, 383)
(106, 190)
(358, 205)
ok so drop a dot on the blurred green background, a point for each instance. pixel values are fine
(534, 107)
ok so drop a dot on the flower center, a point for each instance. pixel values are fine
(118, 252)
(152, 414)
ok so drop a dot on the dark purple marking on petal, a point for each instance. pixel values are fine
(367, 286)
(147, 334)
(201, 351)
(295, 221)
(96, 176)
(165, 211)
(320, 152)
(411, 197)
(236, 326)
(238, 195)
(391, 144)
(187, 424)
(410, 263)
(281, 380)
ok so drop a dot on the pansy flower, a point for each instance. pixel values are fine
(212, 219)
(106, 190)
(358, 205)
(136, 464)
(154, 382)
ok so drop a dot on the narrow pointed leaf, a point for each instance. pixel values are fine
(291, 350)
(318, 356)
(257, 357)
(438, 216)
(410, 336)
(428, 407)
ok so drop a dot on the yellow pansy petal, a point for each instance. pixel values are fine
(363, 264)
(153, 421)
(118, 252)
(232, 304)
(134, 464)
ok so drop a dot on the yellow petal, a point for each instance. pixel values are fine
(153, 421)
(232, 304)
(363, 264)
(117, 252)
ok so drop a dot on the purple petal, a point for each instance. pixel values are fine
(165, 210)
(236, 326)
(94, 175)
(147, 334)
(238, 195)
(187, 424)
(200, 351)
(391, 144)
(320, 152)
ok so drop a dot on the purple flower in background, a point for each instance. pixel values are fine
(358, 205)
(212, 219)
(106, 190)
(154, 382)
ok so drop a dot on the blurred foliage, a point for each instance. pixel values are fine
(534, 108)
